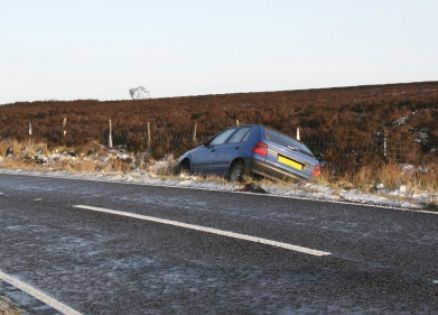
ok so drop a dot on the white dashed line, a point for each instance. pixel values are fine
(209, 230)
(62, 308)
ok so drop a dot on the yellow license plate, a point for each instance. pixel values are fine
(289, 162)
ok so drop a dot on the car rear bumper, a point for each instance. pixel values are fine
(268, 170)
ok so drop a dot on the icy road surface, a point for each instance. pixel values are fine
(109, 248)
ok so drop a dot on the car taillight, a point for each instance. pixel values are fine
(316, 171)
(260, 148)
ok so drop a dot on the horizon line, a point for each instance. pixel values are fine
(334, 87)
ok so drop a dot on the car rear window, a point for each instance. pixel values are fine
(241, 135)
(286, 141)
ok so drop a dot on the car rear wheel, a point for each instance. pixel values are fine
(237, 171)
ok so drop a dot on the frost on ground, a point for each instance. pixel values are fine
(117, 165)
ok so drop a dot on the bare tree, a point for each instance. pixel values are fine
(139, 92)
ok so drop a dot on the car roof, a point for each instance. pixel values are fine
(265, 127)
(247, 126)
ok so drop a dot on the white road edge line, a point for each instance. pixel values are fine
(204, 229)
(62, 308)
(112, 181)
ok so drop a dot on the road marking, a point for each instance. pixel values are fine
(113, 181)
(205, 229)
(435, 281)
(62, 308)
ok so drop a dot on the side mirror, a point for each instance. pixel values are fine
(206, 141)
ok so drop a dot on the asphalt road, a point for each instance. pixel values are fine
(381, 260)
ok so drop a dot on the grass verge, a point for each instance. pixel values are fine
(386, 179)
(7, 308)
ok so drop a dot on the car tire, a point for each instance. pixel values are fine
(183, 167)
(237, 172)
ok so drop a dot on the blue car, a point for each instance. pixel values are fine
(251, 149)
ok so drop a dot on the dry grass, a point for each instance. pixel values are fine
(90, 147)
(7, 308)
(22, 147)
(117, 166)
(92, 158)
(81, 166)
(18, 164)
(82, 159)
(391, 175)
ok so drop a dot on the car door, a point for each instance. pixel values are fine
(201, 160)
(230, 150)
(204, 161)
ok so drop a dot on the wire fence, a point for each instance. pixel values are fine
(159, 140)
(321, 146)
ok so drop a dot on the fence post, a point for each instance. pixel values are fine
(385, 143)
(237, 122)
(149, 136)
(110, 134)
(30, 133)
(64, 124)
(194, 133)
(298, 134)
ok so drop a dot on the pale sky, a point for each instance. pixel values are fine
(82, 49)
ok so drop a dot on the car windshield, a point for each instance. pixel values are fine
(286, 141)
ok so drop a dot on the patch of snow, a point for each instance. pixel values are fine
(423, 137)
(400, 121)
(409, 168)
(380, 186)
(360, 197)
(104, 159)
(403, 189)
(161, 167)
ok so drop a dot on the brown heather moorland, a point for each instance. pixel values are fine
(345, 127)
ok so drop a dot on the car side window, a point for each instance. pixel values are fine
(241, 135)
(246, 136)
(222, 137)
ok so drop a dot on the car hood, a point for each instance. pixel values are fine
(187, 154)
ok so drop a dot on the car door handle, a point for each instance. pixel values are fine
(213, 150)
(236, 148)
